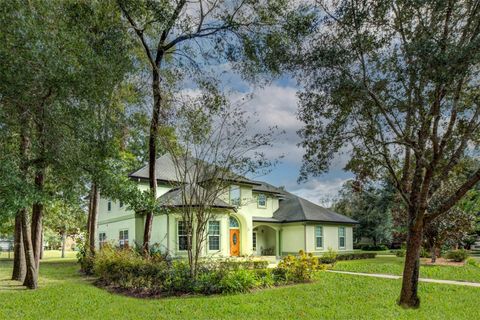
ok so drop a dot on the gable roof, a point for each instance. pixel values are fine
(291, 207)
(176, 198)
(166, 170)
(295, 209)
(266, 187)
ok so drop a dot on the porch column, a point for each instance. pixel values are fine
(277, 243)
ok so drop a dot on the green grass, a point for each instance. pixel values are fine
(47, 254)
(382, 252)
(394, 265)
(65, 294)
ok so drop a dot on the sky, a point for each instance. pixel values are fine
(275, 104)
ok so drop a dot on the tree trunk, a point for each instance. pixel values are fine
(434, 254)
(41, 248)
(409, 294)
(152, 158)
(93, 219)
(64, 238)
(31, 278)
(19, 267)
(31, 274)
(37, 217)
(89, 218)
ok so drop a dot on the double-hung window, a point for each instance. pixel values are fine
(262, 200)
(318, 237)
(235, 195)
(182, 235)
(102, 239)
(214, 235)
(123, 238)
(109, 205)
(341, 237)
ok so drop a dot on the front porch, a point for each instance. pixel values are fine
(266, 241)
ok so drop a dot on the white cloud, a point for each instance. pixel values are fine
(275, 105)
(319, 190)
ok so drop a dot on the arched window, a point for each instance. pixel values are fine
(234, 223)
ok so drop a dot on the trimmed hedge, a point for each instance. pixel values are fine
(329, 258)
(356, 256)
(371, 247)
(400, 253)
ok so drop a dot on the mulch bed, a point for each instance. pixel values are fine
(441, 262)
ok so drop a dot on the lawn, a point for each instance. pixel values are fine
(394, 265)
(46, 254)
(65, 294)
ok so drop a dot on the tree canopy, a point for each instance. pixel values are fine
(395, 85)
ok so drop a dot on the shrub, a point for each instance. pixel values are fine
(238, 281)
(299, 268)
(457, 255)
(265, 277)
(356, 256)
(400, 253)
(371, 247)
(357, 246)
(84, 257)
(127, 269)
(472, 262)
(242, 265)
(209, 282)
(424, 253)
(279, 275)
(329, 257)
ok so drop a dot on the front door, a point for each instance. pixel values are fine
(234, 242)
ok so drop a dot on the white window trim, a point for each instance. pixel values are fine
(258, 201)
(128, 239)
(315, 237)
(219, 236)
(239, 196)
(235, 218)
(102, 242)
(178, 236)
(344, 238)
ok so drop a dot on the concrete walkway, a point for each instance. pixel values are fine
(389, 276)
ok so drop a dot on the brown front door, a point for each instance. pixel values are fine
(235, 242)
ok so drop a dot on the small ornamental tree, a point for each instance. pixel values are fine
(215, 147)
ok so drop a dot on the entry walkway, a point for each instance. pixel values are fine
(390, 276)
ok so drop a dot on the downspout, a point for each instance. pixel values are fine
(168, 233)
(305, 237)
(280, 242)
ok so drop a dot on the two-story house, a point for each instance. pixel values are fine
(254, 218)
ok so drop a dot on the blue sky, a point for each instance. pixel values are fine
(276, 104)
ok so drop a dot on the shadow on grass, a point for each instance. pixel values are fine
(51, 271)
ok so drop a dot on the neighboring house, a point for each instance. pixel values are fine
(6, 244)
(254, 218)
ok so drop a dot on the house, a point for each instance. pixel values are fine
(254, 218)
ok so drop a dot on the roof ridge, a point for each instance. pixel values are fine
(300, 201)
